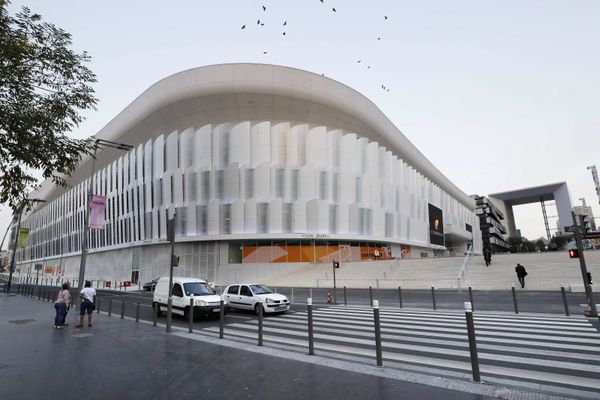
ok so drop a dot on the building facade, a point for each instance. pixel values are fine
(493, 232)
(262, 167)
(588, 213)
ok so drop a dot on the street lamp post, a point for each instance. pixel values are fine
(86, 221)
(11, 267)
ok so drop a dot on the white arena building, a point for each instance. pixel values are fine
(267, 168)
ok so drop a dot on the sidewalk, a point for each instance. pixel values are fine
(123, 359)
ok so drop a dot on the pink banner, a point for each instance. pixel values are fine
(97, 212)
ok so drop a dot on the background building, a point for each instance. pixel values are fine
(589, 215)
(265, 167)
(493, 232)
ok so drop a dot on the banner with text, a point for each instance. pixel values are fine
(436, 225)
(97, 212)
(23, 237)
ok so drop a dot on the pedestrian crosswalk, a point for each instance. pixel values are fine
(548, 351)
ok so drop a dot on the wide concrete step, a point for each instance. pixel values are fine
(546, 271)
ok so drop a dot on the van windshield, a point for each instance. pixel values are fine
(197, 289)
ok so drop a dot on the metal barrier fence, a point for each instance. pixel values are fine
(49, 294)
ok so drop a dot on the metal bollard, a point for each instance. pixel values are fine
(154, 314)
(591, 301)
(472, 342)
(371, 296)
(292, 296)
(311, 339)
(169, 315)
(137, 312)
(433, 298)
(191, 315)
(260, 324)
(514, 295)
(39, 293)
(376, 320)
(564, 299)
(310, 293)
(122, 309)
(400, 296)
(98, 305)
(345, 302)
(221, 317)
(471, 298)
(109, 307)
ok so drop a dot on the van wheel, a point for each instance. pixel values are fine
(256, 309)
(158, 310)
(186, 313)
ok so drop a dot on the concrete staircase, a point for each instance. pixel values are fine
(414, 274)
(546, 271)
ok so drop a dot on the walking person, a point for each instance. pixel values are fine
(487, 256)
(61, 305)
(521, 274)
(88, 300)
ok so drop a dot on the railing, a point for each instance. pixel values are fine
(461, 273)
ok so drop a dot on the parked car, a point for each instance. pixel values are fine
(251, 296)
(206, 302)
(149, 286)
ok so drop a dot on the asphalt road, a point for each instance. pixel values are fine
(527, 301)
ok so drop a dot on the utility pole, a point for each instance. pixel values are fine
(86, 221)
(11, 267)
(588, 289)
(596, 180)
(174, 261)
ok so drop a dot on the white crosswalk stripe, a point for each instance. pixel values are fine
(553, 351)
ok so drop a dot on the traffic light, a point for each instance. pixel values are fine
(336, 264)
(573, 253)
(586, 226)
(175, 261)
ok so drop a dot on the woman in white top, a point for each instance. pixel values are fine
(63, 301)
(88, 299)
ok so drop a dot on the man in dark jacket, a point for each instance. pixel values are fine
(487, 257)
(521, 274)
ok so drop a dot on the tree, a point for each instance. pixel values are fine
(44, 87)
(540, 245)
(520, 245)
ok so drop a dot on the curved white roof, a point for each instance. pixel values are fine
(229, 92)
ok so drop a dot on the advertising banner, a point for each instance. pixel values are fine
(97, 212)
(405, 251)
(23, 237)
(436, 225)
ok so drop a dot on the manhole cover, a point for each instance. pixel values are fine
(21, 321)
(80, 335)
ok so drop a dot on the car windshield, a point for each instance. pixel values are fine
(197, 289)
(261, 289)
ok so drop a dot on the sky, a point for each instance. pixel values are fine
(498, 95)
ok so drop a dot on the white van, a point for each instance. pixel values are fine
(206, 302)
